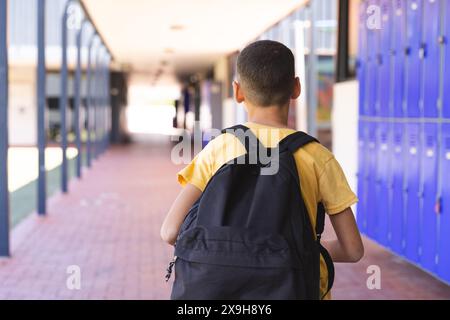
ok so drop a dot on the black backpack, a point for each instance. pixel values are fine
(249, 236)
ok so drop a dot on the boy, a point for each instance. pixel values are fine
(266, 84)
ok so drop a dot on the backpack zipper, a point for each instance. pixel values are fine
(170, 268)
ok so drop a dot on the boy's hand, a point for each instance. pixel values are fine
(180, 208)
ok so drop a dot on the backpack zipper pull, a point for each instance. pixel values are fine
(319, 237)
(169, 268)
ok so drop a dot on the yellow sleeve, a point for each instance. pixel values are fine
(218, 152)
(199, 171)
(334, 190)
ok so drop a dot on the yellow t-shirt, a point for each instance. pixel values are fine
(321, 176)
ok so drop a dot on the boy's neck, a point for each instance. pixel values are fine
(272, 116)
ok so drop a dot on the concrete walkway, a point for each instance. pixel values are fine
(108, 227)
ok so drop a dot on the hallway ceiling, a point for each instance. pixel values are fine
(181, 36)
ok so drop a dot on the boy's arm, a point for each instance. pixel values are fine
(177, 213)
(348, 247)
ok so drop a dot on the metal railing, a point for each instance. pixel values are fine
(4, 194)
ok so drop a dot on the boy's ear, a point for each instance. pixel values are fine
(297, 89)
(238, 94)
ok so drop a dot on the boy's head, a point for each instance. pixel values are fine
(266, 75)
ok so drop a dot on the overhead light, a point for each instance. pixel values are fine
(177, 27)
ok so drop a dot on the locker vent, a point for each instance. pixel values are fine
(430, 141)
(447, 143)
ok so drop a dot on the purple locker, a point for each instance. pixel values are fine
(412, 183)
(361, 63)
(446, 39)
(444, 172)
(397, 198)
(371, 176)
(430, 53)
(398, 60)
(413, 57)
(384, 59)
(372, 70)
(428, 218)
(362, 176)
(382, 183)
(443, 267)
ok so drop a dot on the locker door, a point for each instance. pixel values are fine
(362, 57)
(446, 99)
(431, 58)
(444, 173)
(372, 74)
(444, 227)
(383, 59)
(362, 177)
(398, 60)
(382, 183)
(428, 196)
(371, 200)
(413, 60)
(397, 199)
(412, 226)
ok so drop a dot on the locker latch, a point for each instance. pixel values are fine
(379, 59)
(423, 51)
(407, 51)
(421, 194)
(438, 206)
(442, 40)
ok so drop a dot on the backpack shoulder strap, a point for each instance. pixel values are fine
(245, 135)
(320, 226)
(295, 141)
(235, 128)
(292, 143)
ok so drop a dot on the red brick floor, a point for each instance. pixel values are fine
(399, 279)
(108, 225)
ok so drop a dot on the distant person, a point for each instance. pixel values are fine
(242, 234)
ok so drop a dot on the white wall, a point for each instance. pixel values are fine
(228, 113)
(345, 128)
(22, 107)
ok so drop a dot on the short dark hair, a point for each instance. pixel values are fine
(266, 72)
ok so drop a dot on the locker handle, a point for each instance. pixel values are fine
(442, 40)
(438, 206)
(379, 59)
(407, 51)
